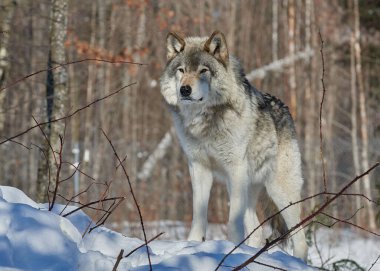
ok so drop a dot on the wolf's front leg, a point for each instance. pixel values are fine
(238, 191)
(201, 180)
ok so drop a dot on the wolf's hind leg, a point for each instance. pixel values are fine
(282, 197)
(201, 180)
(251, 221)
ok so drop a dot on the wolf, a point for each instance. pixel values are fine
(231, 131)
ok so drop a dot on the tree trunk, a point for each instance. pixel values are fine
(291, 49)
(354, 125)
(7, 8)
(363, 115)
(309, 113)
(57, 95)
(274, 30)
(89, 112)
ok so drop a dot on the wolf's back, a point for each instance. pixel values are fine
(280, 114)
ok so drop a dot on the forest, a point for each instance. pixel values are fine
(75, 75)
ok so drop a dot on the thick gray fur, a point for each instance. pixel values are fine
(231, 131)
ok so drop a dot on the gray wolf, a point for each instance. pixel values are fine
(230, 130)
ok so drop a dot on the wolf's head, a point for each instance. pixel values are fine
(196, 71)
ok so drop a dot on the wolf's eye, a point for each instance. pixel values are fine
(181, 70)
(203, 70)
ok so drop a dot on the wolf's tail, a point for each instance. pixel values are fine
(268, 208)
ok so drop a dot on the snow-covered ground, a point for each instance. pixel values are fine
(32, 238)
(329, 246)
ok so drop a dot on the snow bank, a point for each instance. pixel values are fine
(32, 238)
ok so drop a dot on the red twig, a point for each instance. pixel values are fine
(107, 214)
(133, 196)
(80, 171)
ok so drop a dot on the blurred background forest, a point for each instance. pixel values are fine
(279, 45)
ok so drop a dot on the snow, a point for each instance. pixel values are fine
(345, 244)
(33, 238)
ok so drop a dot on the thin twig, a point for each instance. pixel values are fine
(373, 264)
(320, 115)
(350, 223)
(107, 215)
(356, 195)
(66, 64)
(21, 144)
(133, 196)
(92, 203)
(46, 139)
(137, 248)
(58, 174)
(118, 259)
(271, 266)
(67, 116)
(71, 175)
(80, 171)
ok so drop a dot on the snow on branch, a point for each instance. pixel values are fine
(279, 64)
(158, 153)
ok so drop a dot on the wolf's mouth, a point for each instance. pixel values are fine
(191, 99)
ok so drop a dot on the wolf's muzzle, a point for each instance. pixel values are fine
(185, 91)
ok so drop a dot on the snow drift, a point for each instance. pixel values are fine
(32, 238)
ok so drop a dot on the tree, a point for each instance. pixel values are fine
(363, 113)
(7, 8)
(56, 97)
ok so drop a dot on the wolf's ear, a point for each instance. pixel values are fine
(175, 44)
(217, 46)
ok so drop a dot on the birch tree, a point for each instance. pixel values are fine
(7, 8)
(57, 94)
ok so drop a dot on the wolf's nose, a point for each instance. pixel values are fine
(185, 91)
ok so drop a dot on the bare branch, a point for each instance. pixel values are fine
(137, 248)
(373, 264)
(320, 114)
(66, 64)
(57, 177)
(107, 214)
(118, 259)
(69, 115)
(92, 203)
(133, 196)
(279, 64)
(158, 153)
